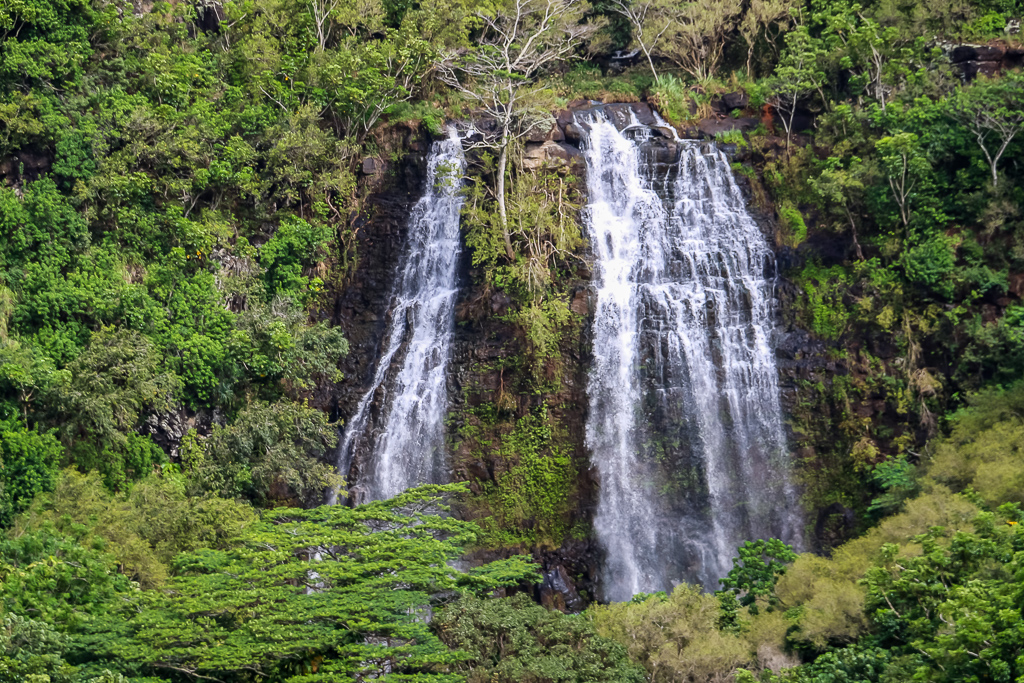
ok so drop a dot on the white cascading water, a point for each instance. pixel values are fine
(398, 424)
(684, 425)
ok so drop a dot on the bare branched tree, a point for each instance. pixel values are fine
(349, 17)
(517, 44)
(649, 21)
(767, 19)
(699, 34)
(691, 34)
(994, 113)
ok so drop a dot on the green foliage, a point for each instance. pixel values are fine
(675, 639)
(144, 528)
(29, 461)
(982, 451)
(310, 595)
(898, 481)
(271, 452)
(515, 640)
(965, 623)
(985, 27)
(282, 352)
(585, 80)
(991, 110)
(32, 651)
(426, 113)
(535, 492)
(756, 570)
(53, 579)
(825, 310)
(855, 664)
(294, 244)
(932, 264)
(105, 392)
(792, 223)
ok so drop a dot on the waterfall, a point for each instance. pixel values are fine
(684, 425)
(399, 422)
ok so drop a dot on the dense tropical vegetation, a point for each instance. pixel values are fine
(180, 203)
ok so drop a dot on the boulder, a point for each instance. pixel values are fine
(977, 53)
(580, 303)
(558, 591)
(550, 153)
(665, 132)
(712, 127)
(540, 128)
(1017, 285)
(372, 166)
(624, 113)
(735, 100)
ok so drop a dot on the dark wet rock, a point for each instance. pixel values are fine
(373, 166)
(558, 591)
(735, 100)
(209, 15)
(573, 133)
(834, 525)
(713, 127)
(987, 60)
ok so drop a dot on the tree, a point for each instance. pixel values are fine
(757, 569)
(993, 110)
(694, 32)
(954, 606)
(366, 78)
(311, 596)
(101, 402)
(698, 35)
(649, 20)
(272, 451)
(111, 385)
(25, 371)
(51, 578)
(676, 640)
(517, 43)
(839, 190)
(796, 76)
(351, 16)
(29, 462)
(510, 640)
(757, 22)
(285, 353)
(905, 165)
(32, 651)
(144, 528)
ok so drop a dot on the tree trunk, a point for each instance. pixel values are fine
(853, 232)
(650, 61)
(502, 214)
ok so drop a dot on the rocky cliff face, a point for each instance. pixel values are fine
(491, 396)
(361, 306)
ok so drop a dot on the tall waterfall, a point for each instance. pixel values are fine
(684, 425)
(399, 422)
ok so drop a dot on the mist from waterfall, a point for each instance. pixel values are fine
(684, 426)
(398, 425)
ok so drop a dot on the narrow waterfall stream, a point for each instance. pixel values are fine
(398, 424)
(684, 427)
